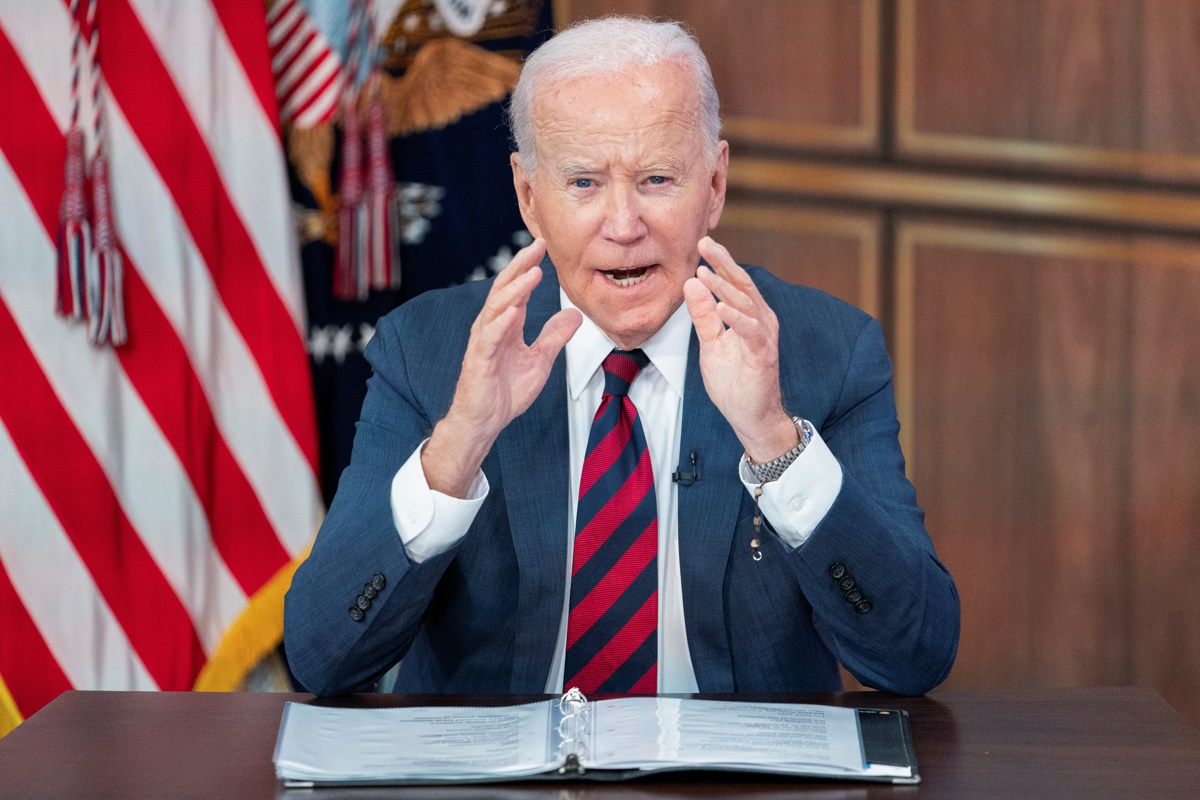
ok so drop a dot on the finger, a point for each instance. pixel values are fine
(724, 265)
(555, 334)
(703, 309)
(726, 291)
(494, 335)
(751, 331)
(529, 256)
(513, 294)
(719, 258)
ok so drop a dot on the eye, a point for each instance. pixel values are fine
(656, 180)
(583, 183)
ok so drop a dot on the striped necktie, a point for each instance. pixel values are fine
(612, 639)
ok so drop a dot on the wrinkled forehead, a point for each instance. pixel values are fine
(651, 105)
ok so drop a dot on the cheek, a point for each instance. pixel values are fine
(571, 222)
(679, 218)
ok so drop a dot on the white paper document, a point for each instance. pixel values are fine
(427, 743)
(649, 732)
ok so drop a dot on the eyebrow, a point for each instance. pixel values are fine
(573, 170)
(663, 166)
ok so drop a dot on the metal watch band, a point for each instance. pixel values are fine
(770, 471)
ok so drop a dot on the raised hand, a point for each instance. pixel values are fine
(739, 353)
(501, 375)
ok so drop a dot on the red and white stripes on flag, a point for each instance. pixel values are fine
(154, 498)
(308, 73)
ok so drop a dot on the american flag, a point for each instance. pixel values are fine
(154, 497)
(308, 74)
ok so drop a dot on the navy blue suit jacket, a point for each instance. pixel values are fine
(484, 617)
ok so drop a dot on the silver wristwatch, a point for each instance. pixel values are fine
(770, 471)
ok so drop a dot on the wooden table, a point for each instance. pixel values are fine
(1049, 743)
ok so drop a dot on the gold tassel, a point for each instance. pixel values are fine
(10, 717)
(449, 78)
(255, 633)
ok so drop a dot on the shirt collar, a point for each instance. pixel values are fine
(667, 349)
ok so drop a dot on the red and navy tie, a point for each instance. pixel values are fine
(612, 639)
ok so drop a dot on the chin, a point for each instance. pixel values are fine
(636, 329)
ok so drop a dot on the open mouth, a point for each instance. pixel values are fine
(627, 277)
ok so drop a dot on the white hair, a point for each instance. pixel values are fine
(611, 46)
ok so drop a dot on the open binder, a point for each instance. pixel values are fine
(573, 738)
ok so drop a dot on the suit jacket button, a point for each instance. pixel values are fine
(378, 581)
(853, 596)
(836, 571)
(363, 602)
(357, 614)
(846, 584)
(369, 591)
(862, 606)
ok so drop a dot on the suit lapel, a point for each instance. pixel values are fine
(535, 463)
(707, 516)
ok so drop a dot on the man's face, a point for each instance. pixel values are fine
(622, 193)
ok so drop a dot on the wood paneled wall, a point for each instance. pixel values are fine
(1013, 187)
(1067, 86)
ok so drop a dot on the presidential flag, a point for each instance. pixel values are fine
(155, 494)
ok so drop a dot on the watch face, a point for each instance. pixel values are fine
(805, 429)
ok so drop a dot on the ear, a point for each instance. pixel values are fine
(523, 183)
(719, 179)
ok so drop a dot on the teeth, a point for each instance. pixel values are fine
(626, 279)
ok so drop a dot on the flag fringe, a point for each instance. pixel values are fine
(74, 249)
(253, 635)
(369, 221)
(74, 234)
(382, 204)
(10, 717)
(106, 307)
(110, 327)
(89, 270)
(349, 253)
(362, 250)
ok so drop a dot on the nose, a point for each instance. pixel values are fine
(623, 222)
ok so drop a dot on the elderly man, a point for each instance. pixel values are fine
(618, 466)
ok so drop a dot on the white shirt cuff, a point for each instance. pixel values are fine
(429, 522)
(801, 497)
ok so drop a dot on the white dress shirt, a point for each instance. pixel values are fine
(430, 522)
